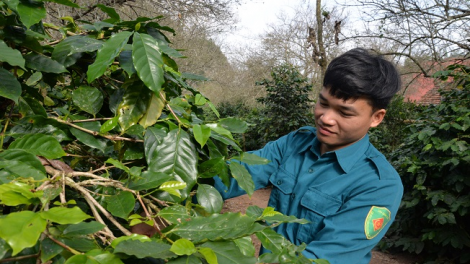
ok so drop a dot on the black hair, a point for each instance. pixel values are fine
(359, 73)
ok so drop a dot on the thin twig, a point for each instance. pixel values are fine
(19, 258)
(155, 225)
(71, 250)
(97, 216)
(90, 120)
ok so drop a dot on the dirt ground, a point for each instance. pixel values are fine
(260, 198)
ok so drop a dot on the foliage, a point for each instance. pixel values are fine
(101, 133)
(287, 103)
(390, 134)
(433, 162)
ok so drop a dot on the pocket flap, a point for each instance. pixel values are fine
(283, 181)
(320, 202)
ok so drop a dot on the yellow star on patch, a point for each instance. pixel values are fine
(376, 220)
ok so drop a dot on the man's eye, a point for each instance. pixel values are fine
(345, 114)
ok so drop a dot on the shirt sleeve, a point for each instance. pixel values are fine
(351, 233)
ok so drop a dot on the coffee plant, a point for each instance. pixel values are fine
(102, 136)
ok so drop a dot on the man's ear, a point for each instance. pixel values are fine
(377, 117)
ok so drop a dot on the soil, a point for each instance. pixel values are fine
(260, 198)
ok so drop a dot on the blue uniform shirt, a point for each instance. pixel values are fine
(350, 196)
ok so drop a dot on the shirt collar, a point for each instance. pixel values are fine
(347, 156)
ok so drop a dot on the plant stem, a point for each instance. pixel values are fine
(71, 250)
(19, 258)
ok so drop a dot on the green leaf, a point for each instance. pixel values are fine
(111, 12)
(88, 99)
(148, 61)
(4, 248)
(120, 205)
(272, 241)
(81, 259)
(153, 249)
(31, 12)
(209, 255)
(172, 187)
(199, 99)
(212, 167)
(212, 106)
(49, 249)
(21, 229)
(209, 198)
(175, 214)
(201, 133)
(88, 139)
(34, 79)
(149, 180)
(220, 130)
(183, 246)
(9, 86)
(134, 105)
(30, 107)
(118, 164)
(142, 238)
(228, 253)
(176, 156)
(245, 244)
(234, 125)
(83, 228)
(42, 63)
(63, 215)
(106, 54)
(19, 163)
(16, 193)
(153, 137)
(226, 141)
(39, 145)
(251, 159)
(109, 125)
(154, 111)
(11, 56)
(67, 52)
(63, 2)
(243, 178)
(217, 226)
(187, 260)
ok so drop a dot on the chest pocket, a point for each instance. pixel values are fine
(316, 206)
(283, 184)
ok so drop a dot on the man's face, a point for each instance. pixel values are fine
(341, 123)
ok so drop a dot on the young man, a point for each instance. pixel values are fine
(331, 175)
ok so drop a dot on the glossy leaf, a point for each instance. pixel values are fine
(217, 226)
(106, 54)
(271, 240)
(17, 193)
(152, 139)
(40, 124)
(118, 164)
(64, 215)
(226, 141)
(81, 259)
(88, 139)
(11, 56)
(148, 61)
(110, 12)
(172, 187)
(20, 163)
(154, 111)
(67, 52)
(49, 249)
(9, 86)
(245, 244)
(42, 63)
(34, 79)
(39, 145)
(209, 255)
(31, 12)
(251, 159)
(153, 249)
(88, 99)
(234, 125)
(212, 167)
(209, 198)
(175, 214)
(120, 205)
(134, 105)
(228, 253)
(183, 246)
(83, 228)
(186, 260)
(176, 156)
(109, 124)
(29, 107)
(21, 229)
(220, 130)
(149, 180)
(201, 133)
(243, 178)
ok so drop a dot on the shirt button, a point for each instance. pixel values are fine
(310, 170)
(293, 196)
(279, 182)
